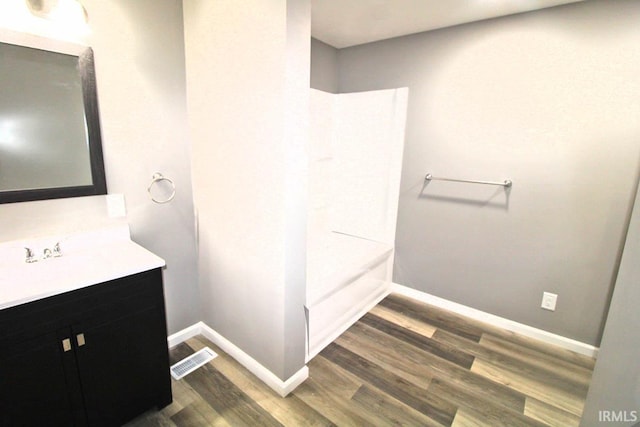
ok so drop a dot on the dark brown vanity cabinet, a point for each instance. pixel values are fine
(95, 356)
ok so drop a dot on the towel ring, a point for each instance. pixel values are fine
(157, 177)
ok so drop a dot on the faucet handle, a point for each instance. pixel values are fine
(57, 252)
(30, 256)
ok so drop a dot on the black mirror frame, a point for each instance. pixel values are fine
(89, 93)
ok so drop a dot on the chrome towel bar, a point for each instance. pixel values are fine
(507, 182)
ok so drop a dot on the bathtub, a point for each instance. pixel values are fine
(355, 163)
(346, 276)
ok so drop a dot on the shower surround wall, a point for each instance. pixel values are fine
(548, 99)
(355, 157)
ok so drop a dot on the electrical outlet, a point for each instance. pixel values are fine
(549, 301)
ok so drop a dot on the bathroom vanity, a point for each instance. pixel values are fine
(83, 337)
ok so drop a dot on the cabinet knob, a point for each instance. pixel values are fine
(66, 345)
(80, 340)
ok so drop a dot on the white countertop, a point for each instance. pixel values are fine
(87, 259)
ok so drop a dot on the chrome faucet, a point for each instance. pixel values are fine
(30, 256)
(47, 253)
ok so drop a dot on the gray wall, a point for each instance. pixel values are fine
(547, 99)
(616, 378)
(140, 70)
(324, 66)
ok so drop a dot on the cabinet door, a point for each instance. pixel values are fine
(38, 382)
(123, 366)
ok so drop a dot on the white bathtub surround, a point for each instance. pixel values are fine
(346, 277)
(330, 318)
(337, 259)
(357, 141)
(354, 179)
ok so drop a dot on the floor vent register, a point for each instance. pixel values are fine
(193, 362)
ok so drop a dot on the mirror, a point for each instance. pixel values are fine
(50, 142)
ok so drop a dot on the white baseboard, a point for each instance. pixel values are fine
(500, 322)
(283, 388)
(183, 335)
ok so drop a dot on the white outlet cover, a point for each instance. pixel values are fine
(549, 301)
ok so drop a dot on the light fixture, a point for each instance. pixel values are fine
(62, 11)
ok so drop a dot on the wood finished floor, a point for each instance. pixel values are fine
(404, 363)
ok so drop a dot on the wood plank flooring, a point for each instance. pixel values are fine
(404, 363)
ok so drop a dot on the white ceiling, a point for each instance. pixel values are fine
(344, 23)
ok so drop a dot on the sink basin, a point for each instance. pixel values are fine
(87, 259)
